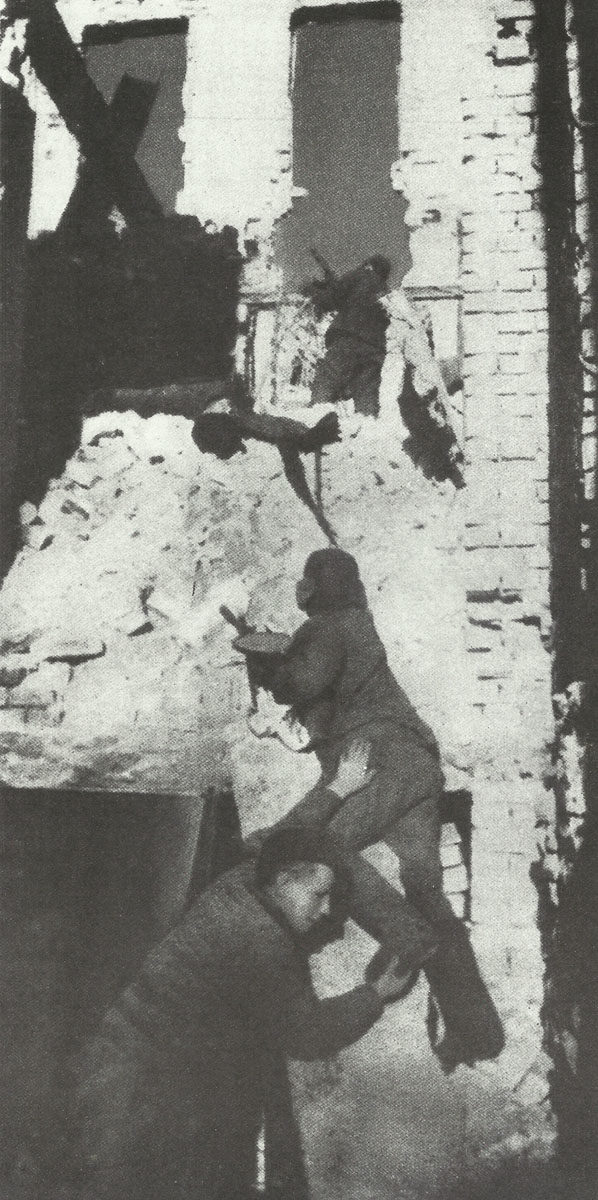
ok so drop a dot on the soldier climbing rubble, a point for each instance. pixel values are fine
(335, 674)
(356, 347)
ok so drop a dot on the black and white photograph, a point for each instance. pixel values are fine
(299, 599)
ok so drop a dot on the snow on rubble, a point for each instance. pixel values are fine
(117, 668)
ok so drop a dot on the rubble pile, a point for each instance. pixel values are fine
(117, 667)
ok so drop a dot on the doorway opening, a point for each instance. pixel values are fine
(345, 139)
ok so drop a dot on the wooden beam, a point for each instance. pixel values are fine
(61, 69)
(16, 155)
(91, 199)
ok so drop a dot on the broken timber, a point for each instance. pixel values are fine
(92, 198)
(61, 69)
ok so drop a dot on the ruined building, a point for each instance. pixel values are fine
(122, 705)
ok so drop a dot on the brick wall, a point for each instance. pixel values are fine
(468, 167)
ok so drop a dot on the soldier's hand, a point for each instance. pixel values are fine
(394, 982)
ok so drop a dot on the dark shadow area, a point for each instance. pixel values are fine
(90, 881)
(571, 1008)
(154, 306)
(346, 67)
(523, 1180)
(565, 408)
(16, 155)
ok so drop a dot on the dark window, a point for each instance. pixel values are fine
(345, 138)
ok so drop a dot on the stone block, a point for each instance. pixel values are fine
(37, 536)
(43, 718)
(12, 727)
(82, 472)
(115, 463)
(514, 126)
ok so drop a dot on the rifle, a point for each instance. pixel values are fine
(330, 276)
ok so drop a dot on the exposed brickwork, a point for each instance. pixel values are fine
(482, 178)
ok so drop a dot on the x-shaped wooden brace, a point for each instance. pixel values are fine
(92, 200)
(61, 69)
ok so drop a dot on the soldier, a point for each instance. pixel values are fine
(177, 1081)
(356, 337)
(336, 676)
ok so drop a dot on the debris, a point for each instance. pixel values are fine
(85, 474)
(27, 513)
(165, 605)
(71, 505)
(139, 630)
(40, 688)
(11, 677)
(120, 460)
(105, 433)
(76, 650)
(37, 537)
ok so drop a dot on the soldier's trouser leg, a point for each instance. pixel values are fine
(409, 926)
(365, 387)
(373, 903)
(333, 372)
(462, 996)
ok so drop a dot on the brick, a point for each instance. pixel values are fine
(523, 341)
(479, 281)
(514, 126)
(481, 537)
(81, 472)
(455, 880)
(38, 536)
(485, 362)
(495, 300)
(458, 903)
